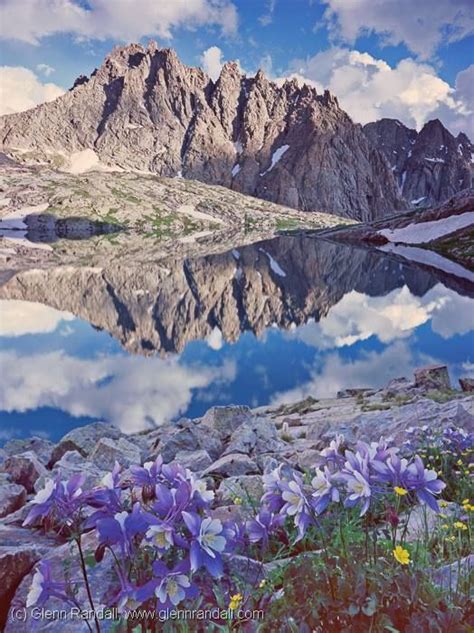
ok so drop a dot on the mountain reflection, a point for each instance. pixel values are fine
(285, 282)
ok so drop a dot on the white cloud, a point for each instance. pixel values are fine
(22, 317)
(123, 20)
(267, 17)
(128, 391)
(372, 369)
(45, 69)
(422, 25)
(357, 317)
(369, 88)
(212, 62)
(20, 89)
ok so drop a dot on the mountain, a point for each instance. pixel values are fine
(144, 110)
(149, 308)
(431, 165)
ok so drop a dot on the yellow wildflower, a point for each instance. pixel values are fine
(235, 601)
(451, 539)
(460, 525)
(442, 516)
(238, 501)
(401, 555)
(401, 492)
(445, 526)
(443, 504)
(262, 583)
(459, 462)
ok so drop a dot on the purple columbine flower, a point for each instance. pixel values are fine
(296, 504)
(207, 544)
(199, 490)
(424, 482)
(394, 471)
(148, 474)
(161, 536)
(332, 454)
(272, 496)
(44, 587)
(325, 490)
(122, 528)
(359, 491)
(260, 528)
(58, 501)
(171, 587)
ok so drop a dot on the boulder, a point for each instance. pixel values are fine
(467, 384)
(225, 420)
(433, 377)
(83, 439)
(194, 460)
(72, 463)
(20, 549)
(108, 451)
(249, 488)
(233, 465)
(25, 469)
(99, 579)
(12, 497)
(40, 446)
(257, 435)
(448, 576)
(186, 435)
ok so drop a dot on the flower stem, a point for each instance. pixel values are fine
(86, 580)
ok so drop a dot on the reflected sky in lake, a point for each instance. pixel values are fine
(59, 371)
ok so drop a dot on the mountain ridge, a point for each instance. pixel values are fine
(144, 110)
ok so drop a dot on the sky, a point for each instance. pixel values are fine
(413, 61)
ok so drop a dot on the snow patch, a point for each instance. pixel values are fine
(235, 170)
(435, 160)
(274, 265)
(418, 200)
(277, 154)
(79, 162)
(423, 232)
(238, 147)
(429, 258)
(15, 221)
(235, 254)
(215, 339)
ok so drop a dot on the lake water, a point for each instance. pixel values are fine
(266, 323)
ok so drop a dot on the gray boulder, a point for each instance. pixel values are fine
(25, 469)
(73, 463)
(12, 497)
(433, 377)
(108, 451)
(84, 438)
(40, 446)
(194, 460)
(225, 420)
(233, 465)
(249, 488)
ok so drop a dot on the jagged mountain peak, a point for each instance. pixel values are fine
(145, 110)
(430, 165)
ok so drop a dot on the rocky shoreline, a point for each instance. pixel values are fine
(231, 447)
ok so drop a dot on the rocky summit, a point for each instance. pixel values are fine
(431, 165)
(144, 110)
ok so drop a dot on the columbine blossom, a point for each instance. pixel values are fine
(207, 544)
(425, 483)
(272, 497)
(148, 474)
(394, 471)
(260, 528)
(296, 504)
(171, 587)
(122, 528)
(58, 501)
(325, 490)
(333, 454)
(161, 536)
(44, 587)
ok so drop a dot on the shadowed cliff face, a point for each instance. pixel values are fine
(145, 110)
(159, 308)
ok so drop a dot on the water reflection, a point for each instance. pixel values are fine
(270, 322)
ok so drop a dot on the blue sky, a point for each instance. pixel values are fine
(412, 61)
